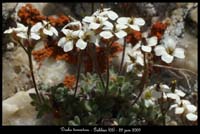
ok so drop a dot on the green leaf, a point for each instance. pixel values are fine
(87, 106)
(72, 123)
(77, 120)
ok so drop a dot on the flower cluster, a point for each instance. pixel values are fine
(170, 94)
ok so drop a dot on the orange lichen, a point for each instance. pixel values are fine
(158, 29)
(134, 37)
(59, 21)
(30, 15)
(69, 81)
(52, 50)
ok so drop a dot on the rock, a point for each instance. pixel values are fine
(17, 109)
(15, 72)
(53, 72)
(189, 42)
(193, 15)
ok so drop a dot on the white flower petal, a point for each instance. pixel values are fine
(68, 46)
(174, 97)
(180, 93)
(22, 35)
(62, 42)
(185, 102)
(94, 26)
(88, 19)
(146, 48)
(179, 53)
(106, 34)
(19, 25)
(112, 15)
(152, 41)
(179, 110)
(129, 68)
(191, 108)
(134, 27)
(173, 106)
(121, 26)
(165, 88)
(139, 21)
(123, 20)
(148, 103)
(170, 42)
(47, 32)
(167, 58)
(137, 46)
(159, 50)
(76, 33)
(140, 60)
(35, 36)
(107, 25)
(121, 34)
(8, 31)
(81, 44)
(53, 29)
(191, 117)
(66, 31)
(44, 22)
(36, 27)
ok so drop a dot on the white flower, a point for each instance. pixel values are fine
(133, 23)
(168, 50)
(149, 102)
(96, 22)
(191, 117)
(82, 42)
(137, 58)
(117, 30)
(186, 108)
(152, 41)
(20, 31)
(161, 92)
(106, 12)
(106, 34)
(67, 42)
(46, 28)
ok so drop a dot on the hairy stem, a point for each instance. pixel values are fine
(108, 72)
(97, 67)
(123, 55)
(78, 71)
(32, 75)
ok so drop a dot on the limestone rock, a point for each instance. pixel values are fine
(53, 72)
(17, 109)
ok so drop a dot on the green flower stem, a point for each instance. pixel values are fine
(78, 71)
